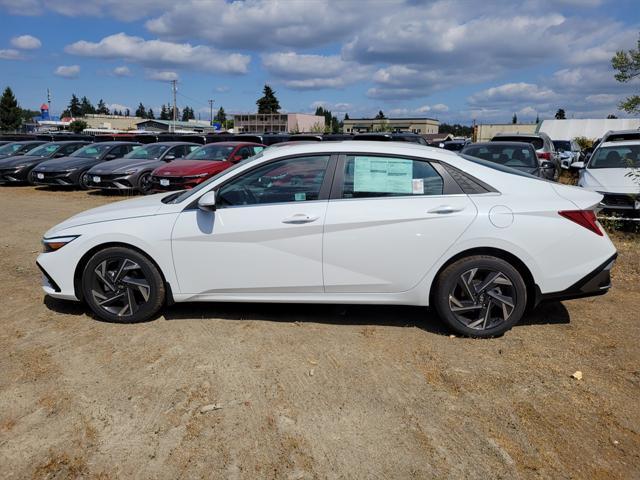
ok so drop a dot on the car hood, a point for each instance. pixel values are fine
(137, 207)
(64, 163)
(121, 165)
(613, 180)
(179, 168)
(8, 162)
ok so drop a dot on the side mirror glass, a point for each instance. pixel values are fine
(168, 158)
(207, 202)
(577, 165)
(59, 155)
(110, 156)
(236, 158)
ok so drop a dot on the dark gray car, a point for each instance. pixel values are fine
(543, 145)
(72, 170)
(18, 168)
(133, 171)
(517, 155)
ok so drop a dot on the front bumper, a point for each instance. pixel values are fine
(60, 179)
(620, 202)
(112, 181)
(167, 184)
(597, 282)
(13, 175)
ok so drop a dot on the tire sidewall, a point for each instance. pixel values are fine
(156, 294)
(451, 274)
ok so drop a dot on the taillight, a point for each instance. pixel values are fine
(544, 155)
(584, 218)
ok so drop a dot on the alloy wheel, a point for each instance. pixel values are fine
(145, 183)
(119, 286)
(482, 298)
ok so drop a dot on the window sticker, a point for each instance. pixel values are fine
(385, 175)
(418, 186)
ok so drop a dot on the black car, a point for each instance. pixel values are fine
(391, 137)
(19, 148)
(133, 171)
(454, 145)
(517, 155)
(18, 168)
(72, 170)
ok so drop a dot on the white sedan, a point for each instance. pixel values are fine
(340, 222)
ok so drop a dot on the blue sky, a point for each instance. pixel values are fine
(455, 60)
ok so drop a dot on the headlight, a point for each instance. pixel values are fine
(56, 243)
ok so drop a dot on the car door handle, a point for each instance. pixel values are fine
(445, 209)
(301, 218)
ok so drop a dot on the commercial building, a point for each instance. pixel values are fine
(418, 125)
(177, 126)
(277, 123)
(111, 122)
(486, 131)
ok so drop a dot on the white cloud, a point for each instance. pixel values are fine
(124, 10)
(510, 92)
(10, 54)
(602, 98)
(67, 71)
(222, 88)
(26, 42)
(440, 107)
(117, 106)
(122, 71)
(162, 75)
(159, 53)
(302, 71)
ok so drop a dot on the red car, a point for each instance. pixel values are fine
(201, 164)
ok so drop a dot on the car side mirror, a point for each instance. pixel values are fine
(168, 158)
(59, 155)
(236, 158)
(547, 164)
(110, 156)
(207, 202)
(578, 165)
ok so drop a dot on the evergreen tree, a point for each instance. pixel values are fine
(627, 65)
(10, 111)
(127, 113)
(187, 114)
(164, 112)
(102, 108)
(611, 116)
(268, 103)
(150, 114)
(560, 115)
(86, 107)
(514, 119)
(380, 115)
(221, 116)
(537, 118)
(73, 110)
(346, 116)
(141, 111)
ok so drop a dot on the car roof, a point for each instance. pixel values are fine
(170, 144)
(620, 143)
(523, 135)
(233, 144)
(500, 144)
(118, 143)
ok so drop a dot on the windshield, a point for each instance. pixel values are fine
(11, 148)
(187, 193)
(148, 152)
(562, 145)
(507, 155)
(211, 152)
(94, 150)
(497, 166)
(616, 157)
(45, 150)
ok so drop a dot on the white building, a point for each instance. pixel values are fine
(592, 128)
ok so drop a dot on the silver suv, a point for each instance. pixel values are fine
(543, 146)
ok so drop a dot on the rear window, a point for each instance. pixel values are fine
(537, 142)
(497, 166)
(506, 155)
(562, 145)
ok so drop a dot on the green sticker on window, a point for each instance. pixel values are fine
(383, 175)
(300, 196)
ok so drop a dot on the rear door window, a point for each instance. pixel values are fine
(367, 176)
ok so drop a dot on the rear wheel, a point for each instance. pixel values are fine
(122, 285)
(480, 296)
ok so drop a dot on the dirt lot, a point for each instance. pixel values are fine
(307, 391)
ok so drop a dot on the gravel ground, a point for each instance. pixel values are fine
(307, 391)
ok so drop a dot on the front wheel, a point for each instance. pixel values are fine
(480, 296)
(83, 181)
(122, 285)
(144, 183)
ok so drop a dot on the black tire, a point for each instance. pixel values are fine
(83, 181)
(144, 183)
(480, 296)
(122, 285)
(31, 177)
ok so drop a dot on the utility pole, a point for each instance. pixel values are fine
(210, 112)
(175, 109)
(49, 100)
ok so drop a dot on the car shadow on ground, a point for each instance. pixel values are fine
(366, 315)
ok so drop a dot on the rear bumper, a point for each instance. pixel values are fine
(597, 282)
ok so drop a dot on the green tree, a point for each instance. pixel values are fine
(627, 65)
(164, 113)
(77, 126)
(456, 130)
(141, 111)
(86, 107)
(346, 116)
(127, 113)
(268, 103)
(560, 115)
(151, 115)
(187, 114)
(514, 119)
(221, 116)
(73, 110)
(537, 118)
(380, 115)
(10, 111)
(27, 115)
(102, 108)
(611, 116)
